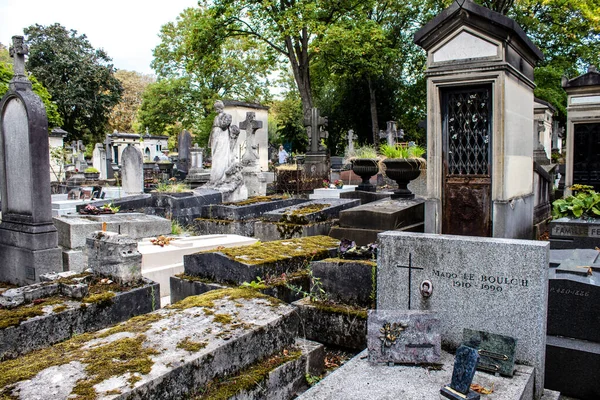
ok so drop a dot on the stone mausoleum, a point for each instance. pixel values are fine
(480, 108)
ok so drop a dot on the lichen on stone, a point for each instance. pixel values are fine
(370, 263)
(255, 200)
(102, 299)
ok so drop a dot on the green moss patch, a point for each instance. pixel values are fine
(255, 200)
(14, 316)
(247, 379)
(313, 247)
(193, 278)
(127, 355)
(102, 299)
(191, 346)
(224, 319)
(370, 263)
(336, 308)
(308, 209)
(207, 299)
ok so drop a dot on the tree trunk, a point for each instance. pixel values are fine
(298, 56)
(373, 104)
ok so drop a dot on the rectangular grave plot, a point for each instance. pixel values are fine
(242, 211)
(312, 211)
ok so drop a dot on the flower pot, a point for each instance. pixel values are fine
(365, 168)
(91, 176)
(402, 170)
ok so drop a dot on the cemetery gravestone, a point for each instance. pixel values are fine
(110, 173)
(253, 177)
(28, 239)
(99, 160)
(496, 285)
(184, 144)
(132, 171)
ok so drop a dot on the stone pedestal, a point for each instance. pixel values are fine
(115, 256)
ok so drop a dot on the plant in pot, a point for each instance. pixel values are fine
(91, 173)
(402, 164)
(365, 163)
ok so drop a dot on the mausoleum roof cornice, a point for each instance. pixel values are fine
(591, 78)
(477, 16)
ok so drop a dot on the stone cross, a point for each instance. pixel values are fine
(18, 51)
(410, 269)
(350, 140)
(315, 122)
(250, 125)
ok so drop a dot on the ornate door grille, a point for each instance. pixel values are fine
(468, 132)
(586, 155)
(467, 128)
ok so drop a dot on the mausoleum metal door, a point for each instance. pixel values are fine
(466, 133)
(586, 155)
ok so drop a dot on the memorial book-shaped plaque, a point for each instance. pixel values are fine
(496, 352)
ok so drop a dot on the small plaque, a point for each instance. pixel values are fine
(496, 352)
(403, 337)
(465, 362)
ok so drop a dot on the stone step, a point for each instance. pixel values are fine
(338, 325)
(358, 379)
(278, 376)
(166, 354)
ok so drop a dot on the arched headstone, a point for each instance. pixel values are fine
(132, 170)
(28, 238)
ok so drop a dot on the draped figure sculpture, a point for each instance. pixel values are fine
(220, 143)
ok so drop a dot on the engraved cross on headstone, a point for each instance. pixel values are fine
(410, 269)
(315, 123)
(18, 51)
(251, 125)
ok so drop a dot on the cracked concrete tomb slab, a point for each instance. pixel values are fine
(165, 354)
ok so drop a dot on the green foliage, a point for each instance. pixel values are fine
(79, 78)
(398, 151)
(585, 204)
(364, 151)
(289, 118)
(91, 170)
(6, 75)
(257, 284)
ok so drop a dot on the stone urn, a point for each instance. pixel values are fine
(403, 170)
(91, 176)
(365, 168)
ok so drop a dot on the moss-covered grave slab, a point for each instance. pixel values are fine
(268, 231)
(311, 211)
(333, 324)
(347, 281)
(53, 315)
(251, 208)
(269, 259)
(167, 354)
(183, 286)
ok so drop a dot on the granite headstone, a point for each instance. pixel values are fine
(490, 284)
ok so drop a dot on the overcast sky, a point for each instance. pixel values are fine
(126, 29)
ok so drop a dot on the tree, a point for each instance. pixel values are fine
(288, 27)
(123, 115)
(6, 74)
(79, 78)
